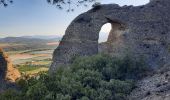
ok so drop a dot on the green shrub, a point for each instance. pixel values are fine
(37, 92)
(11, 94)
(98, 77)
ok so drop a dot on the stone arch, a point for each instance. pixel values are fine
(81, 38)
(130, 27)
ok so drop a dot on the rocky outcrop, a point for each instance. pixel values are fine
(154, 87)
(3, 68)
(8, 74)
(138, 31)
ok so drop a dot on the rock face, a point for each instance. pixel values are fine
(155, 87)
(138, 31)
(8, 73)
(3, 66)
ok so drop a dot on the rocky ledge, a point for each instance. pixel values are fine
(8, 74)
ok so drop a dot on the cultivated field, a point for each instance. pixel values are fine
(31, 62)
(30, 58)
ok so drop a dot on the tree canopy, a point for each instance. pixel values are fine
(58, 3)
(70, 3)
(5, 2)
(98, 77)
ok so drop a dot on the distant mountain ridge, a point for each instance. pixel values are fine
(21, 40)
(44, 37)
(30, 39)
(29, 43)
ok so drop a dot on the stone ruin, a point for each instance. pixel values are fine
(137, 31)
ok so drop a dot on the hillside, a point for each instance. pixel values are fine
(28, 43)
(133, 64)
(30, 39)
(153, 87)
(48, 37)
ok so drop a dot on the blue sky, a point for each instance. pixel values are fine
(37, 17)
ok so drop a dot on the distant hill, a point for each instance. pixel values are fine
(29, 42)
(20, 40)
(30, 39)
(50, 37)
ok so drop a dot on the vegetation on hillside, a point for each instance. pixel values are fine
(98, 77)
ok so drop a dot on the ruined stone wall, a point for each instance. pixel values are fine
(144, 32)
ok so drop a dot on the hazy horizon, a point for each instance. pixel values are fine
(32, 35)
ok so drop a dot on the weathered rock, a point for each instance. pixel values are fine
(155, 87)
(8, 74)
(3, 68)
(137, 31)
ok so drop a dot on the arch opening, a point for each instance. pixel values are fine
(111, 36)
(104, 32)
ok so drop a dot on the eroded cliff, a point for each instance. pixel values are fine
(8, 74)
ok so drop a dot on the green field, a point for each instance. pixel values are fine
(31, 61)
(30, 56)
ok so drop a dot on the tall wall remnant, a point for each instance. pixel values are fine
(139, 31)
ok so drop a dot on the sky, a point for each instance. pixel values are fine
(37, 17)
